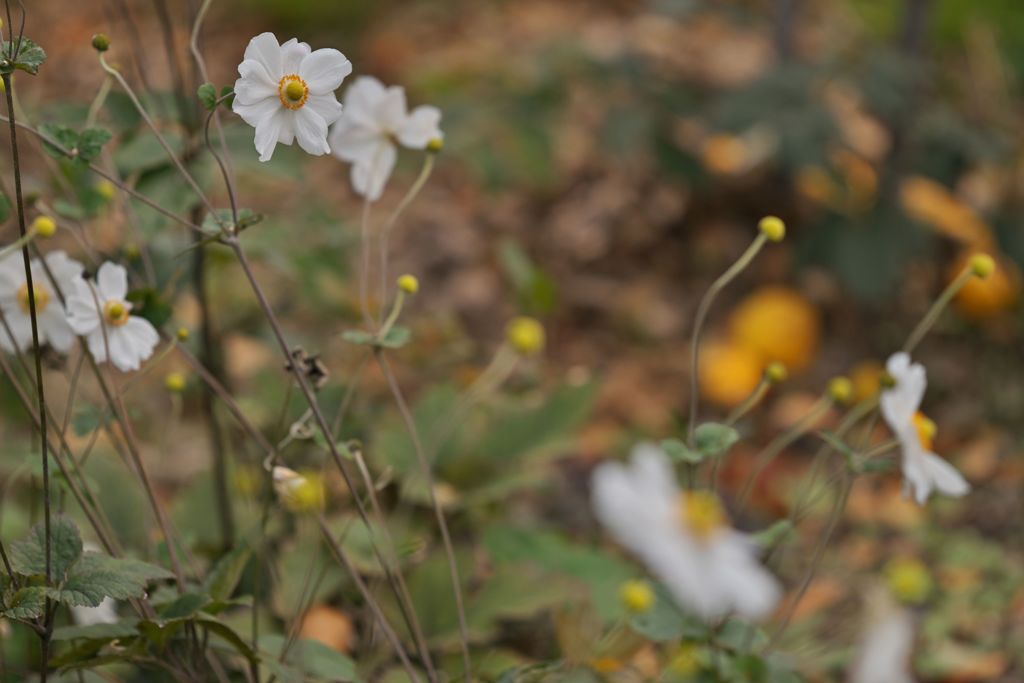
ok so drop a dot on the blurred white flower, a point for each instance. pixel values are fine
(99, 312)
(923, 471)
(286, 92)
(14, 303)
(103, 613)
(884, 652)
(682, 537)
(374, 123)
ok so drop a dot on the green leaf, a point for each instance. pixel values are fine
(28, 557)
(225, 575)
(394, 338)
(358, 337)
(207, 95)
(5, 208)
(29, 58)
(741, 637)
(91, 142)
(107, 632)
(227, 96)
(877, 465)
(26, 603)
(665, 622)
(151, 305)
(185, 606)
(313, 658)
(62, 135)
(225, 633)
(97, 576)
(680, 452)
(713, 439)
(774, 534)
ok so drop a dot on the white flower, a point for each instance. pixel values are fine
(103, 613)
(682, 537)
(374, 123)
(923, 471)
(99, 312)
(286, 92)
(14, 303)
(884, 653)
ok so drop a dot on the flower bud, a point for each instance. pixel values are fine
(100, 42)
(840, 389)
(636, 596)
(408, 284)
(526, 335)
(909, 580)
(105, 189)
(435, 145)
(886, 380)
(298, 493)
(773, 228)
(182, 334)
(982, 265)
(776, 373)
(44, 226)
(174, 382)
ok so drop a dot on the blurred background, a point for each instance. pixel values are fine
(603, 163)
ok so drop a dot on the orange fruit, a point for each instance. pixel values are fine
(778, 325)
(983, 298)
(728, 373)
(328, 626)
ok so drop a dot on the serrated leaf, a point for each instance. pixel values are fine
(26, 603)
(91, 142)
(97, 576)
(713, 439)
(680, 452)
(225, 575)
(207, 94)
(28, 557)
(29, 58)
(185, 606)
(62, 135)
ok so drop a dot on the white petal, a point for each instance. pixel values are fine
(899, 403)
(352, 142)
(270, 131)
(390, 111)
(112, 281)
(884, 654)
(97, 347)
(64, 270)
(255, 83)
(54, 326)
(265, 49)
(751, 591)
(420, 127)
(256, 114)
(19, 326)
(369, 179)
(311, 131)
(327, 106)
(139, 339)
(323, 70)
(361, 100)
(292, 54)
(83, 314)
(944, 476)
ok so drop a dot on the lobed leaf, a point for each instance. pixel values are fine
(28, 557)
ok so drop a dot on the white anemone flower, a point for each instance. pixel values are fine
(682, 537)
(375, 121)
(286, 92)
(99, 312)
(923, 471)
(885, 650)
(14, 301)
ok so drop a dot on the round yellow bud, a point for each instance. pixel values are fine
(909, 580)
(174, 382)
(100, 42)
(840, 389)
(526, 335)
(776, 373)
(299, 493)
(982, 265)
(409, 284)
(106, 189)
(44, 226)
(182, 334)
(435, 145)
(687, 661)
(636, 596)
(773, 228)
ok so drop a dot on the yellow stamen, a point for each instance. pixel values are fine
(292, 91)
(42, 298)
(701, 513)
(926, 430)
(115, 313)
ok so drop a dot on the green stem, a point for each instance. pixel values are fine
(936, 309)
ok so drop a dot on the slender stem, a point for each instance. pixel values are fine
(414, 190)
(20, 205)
(750, 402)
(936, 309)
(453, 569)
(698, 325)
(366, 247)
(382, 621)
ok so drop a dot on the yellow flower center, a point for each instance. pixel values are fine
(42, 298)
(926, 430)
(701, 513)
(292, 91)
(115, 313)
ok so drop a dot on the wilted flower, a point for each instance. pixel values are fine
(286, 92)
(923, 471)
(682, 537)
(375, 121)
(99, 312)
(14, 301)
